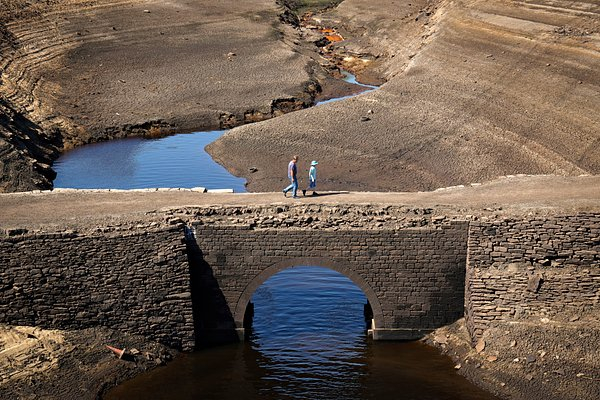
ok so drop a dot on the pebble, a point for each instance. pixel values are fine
(530, 359)
(480, 345)
(529, 377)
(441, 339)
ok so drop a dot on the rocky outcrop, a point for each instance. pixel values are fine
(26, 152)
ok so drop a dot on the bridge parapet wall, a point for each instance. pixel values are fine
(539, 267)
(134, 280)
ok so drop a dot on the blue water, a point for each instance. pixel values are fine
(348, 77)
(177, 161)
(309, 329)
(308, 341)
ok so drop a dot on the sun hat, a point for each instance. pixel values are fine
(313, 163)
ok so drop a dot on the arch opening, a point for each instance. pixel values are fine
(308, 298)
(313, 275)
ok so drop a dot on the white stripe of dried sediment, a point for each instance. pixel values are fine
(570, 7)
(198, 189)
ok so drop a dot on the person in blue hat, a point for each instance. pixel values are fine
(312, 179)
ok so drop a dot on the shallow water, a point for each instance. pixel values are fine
(308, 341)
(177, 161)
(350, 78)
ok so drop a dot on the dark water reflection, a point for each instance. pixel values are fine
(308, 342)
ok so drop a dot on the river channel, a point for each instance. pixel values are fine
(308, 338)
(308, 341)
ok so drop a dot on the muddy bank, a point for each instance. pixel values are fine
(530, 358)
(26, 152)
(474, 90)
(78, 72)
(38, 363)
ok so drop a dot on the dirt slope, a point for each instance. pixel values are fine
(476, 89)
(83, 71)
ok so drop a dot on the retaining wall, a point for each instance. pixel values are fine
(136, 281)
(547, 267)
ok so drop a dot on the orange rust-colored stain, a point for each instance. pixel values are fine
(327, 30)
(334, 38)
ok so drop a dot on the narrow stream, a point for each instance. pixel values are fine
(308, 341)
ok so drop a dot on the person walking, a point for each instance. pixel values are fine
(312, 179)
(293, 175)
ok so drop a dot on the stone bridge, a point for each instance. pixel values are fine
(185, 275)
(413, 278)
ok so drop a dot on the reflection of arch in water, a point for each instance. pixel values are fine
(246, 296)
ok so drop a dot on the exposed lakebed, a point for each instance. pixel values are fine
(177, 161)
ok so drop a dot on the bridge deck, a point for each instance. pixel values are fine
(509, 195)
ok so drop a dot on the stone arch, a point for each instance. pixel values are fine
(244, 299)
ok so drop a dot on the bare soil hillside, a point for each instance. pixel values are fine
(75, 72)
(475, 89)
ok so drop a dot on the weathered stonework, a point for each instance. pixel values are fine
(135, 280)
(185, 276)
(413, 278)
(540, 267)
